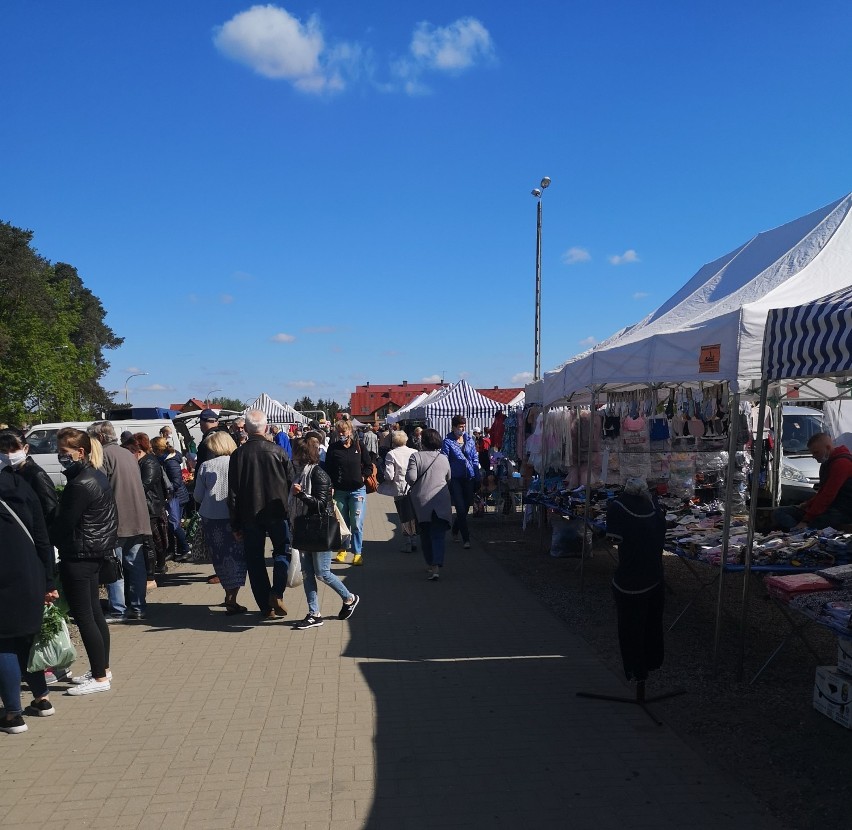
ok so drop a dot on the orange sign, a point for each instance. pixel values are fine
(709, 361)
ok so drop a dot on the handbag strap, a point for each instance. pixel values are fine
(421, 475)
(17, 518)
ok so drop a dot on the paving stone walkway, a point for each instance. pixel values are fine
(448, 705)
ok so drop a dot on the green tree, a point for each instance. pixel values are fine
(303, 404)
(52, 337)
(228, 403)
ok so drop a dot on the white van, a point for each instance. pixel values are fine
(42, 440)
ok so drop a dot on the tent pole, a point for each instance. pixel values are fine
(587, 517)
(777, 430)
(752, 515)
(733, 426)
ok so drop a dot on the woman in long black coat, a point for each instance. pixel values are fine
(26, 584)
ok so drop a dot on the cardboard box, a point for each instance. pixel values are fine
(844, 655)
(833, 695)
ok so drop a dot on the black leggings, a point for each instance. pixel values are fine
(80, 584)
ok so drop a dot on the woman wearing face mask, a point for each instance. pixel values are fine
(85, 530)
(14, 453)
(347, 462)
(179, 496)
(460, 449)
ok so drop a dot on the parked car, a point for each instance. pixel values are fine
(799, 470)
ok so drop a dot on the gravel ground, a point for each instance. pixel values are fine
(767, 734)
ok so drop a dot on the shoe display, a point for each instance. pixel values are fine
(41, 708)
(309, 622)
(277, 606)
(347, 610)
(341, 556)
(85, 678)
(358, 560)
(90, 687)
(13, 725)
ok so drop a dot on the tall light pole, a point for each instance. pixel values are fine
(134, 375)
(210, 395)
(545, 183)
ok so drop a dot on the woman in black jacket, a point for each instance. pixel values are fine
(156, 497)
(179, 495)
(85, 531)
(14, 451)
(26, 584)
(312, 494)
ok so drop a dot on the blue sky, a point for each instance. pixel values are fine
(297, 198)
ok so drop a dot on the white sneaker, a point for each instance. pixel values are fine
(89, 687)
(85, 678)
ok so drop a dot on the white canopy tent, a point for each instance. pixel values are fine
(276, 412)
(402, 413)
(712, 328)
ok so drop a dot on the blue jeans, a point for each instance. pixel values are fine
(433, 537)
(14, 654)
(317, 566)
(132, 552)
(254, 543)
(461, 495)
(352, 505)
(175, 510)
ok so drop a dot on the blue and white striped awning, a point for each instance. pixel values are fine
(811, 339)
(459, 399)
(277, 413)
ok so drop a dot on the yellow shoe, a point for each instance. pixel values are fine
(341, 556)
(358, 560)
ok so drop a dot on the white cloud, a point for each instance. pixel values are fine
(301, 384)
(622, 259)
(640, 295)
(277, 45)
(574, 255)
(226, 299)
(282, 338)
(157, 387)
(450, 49)
(522, 378)
(432, 379)
(588, 342)
(132, 370)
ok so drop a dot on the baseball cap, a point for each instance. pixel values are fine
(208, 415)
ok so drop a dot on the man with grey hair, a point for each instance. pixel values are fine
(259, 479)
(127, 596)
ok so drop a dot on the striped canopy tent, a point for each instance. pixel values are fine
(459, 399)
(810, 340)
(276, 412)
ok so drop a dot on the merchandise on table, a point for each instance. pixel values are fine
(833, 695)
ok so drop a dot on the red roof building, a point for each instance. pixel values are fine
(504, 396)
(376, 401)
(190, 406)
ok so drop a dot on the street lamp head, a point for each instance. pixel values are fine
(545, 182)
(537, 193)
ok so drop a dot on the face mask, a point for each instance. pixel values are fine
(14, 458)
(65, 461)
(459, 430)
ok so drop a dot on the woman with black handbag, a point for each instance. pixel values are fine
(86, 532)
(312, 497)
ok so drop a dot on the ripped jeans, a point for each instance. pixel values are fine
(353, 506)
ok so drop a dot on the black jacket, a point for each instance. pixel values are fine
(26, 567)
(204, 453)
(320, 496)
(87, 524)
(259, 479)
(152, 483)
(347, 466)
(40, 481)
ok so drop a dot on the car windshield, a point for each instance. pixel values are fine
(42, 441)
(797, 430)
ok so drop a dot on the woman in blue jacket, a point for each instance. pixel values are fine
(460, 449)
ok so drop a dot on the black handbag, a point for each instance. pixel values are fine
(316, 532)
(110, 570)
(405, 508)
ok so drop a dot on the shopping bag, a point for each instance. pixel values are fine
(294, 569)
(345, 533)
(52, 647)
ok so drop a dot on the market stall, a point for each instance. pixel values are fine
(277, 413)
(459, 399)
